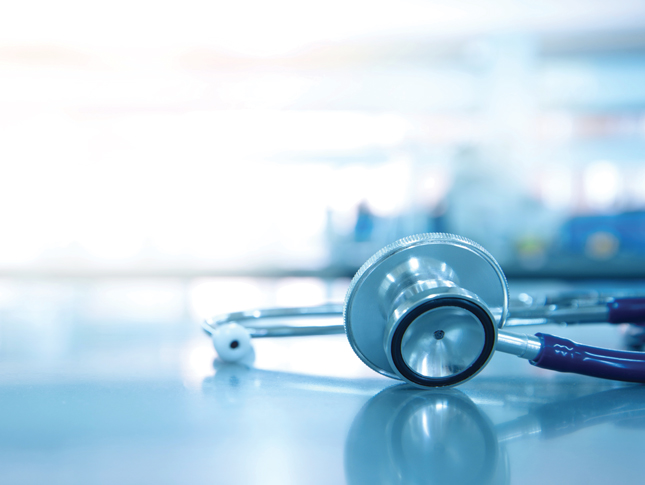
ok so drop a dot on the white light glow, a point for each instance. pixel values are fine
(265, 29)
(266, 91)
(248, 27)
(301, 292)
(214, 296)
(197, 363)
(195, 185)
(602, 185)
(384, 187)
(433, 185)
(556, 186)
(143, 301)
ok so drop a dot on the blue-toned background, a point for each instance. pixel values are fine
(215, 138)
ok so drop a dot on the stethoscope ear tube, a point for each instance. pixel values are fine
(563, 355)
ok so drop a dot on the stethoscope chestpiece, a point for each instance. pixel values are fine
(426, 309)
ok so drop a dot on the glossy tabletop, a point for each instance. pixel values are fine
(106, 382)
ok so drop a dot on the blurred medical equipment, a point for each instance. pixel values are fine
(429, 309)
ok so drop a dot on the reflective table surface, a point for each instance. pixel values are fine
(113, 381)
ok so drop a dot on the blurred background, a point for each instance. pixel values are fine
(285, 138)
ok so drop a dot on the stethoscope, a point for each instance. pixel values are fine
(429, 309)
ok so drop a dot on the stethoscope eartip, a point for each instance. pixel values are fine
(232, 342)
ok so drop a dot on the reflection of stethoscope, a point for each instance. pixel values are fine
(410, 436)
(405, 435)
(429, 309)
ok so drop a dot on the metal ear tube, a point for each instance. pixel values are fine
(429, 309)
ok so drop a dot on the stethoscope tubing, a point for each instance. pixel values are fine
(542, 350)
(617, 310)
(280, 313)
(563, 355)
